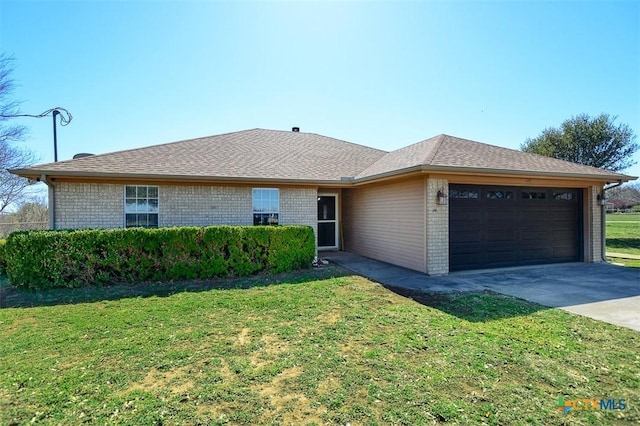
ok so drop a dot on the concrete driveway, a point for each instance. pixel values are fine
(598, 290)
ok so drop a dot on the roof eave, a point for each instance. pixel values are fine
(613, 177)
(37, 174)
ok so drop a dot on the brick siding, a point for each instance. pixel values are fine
(299, 206)
(595, 226)
(89, 205)
(437, 228)
(85, 205)
(204, 205)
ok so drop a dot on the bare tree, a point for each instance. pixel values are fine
(8, 107)
(31, 213)
(12, 187)
(625, 196)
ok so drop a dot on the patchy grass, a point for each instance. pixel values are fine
(623, 236)
(315, 350)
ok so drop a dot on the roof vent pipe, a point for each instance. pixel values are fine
(295, 129)
(82, 155)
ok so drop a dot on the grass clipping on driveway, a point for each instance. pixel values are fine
(331, 351)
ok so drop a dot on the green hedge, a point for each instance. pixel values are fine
(3, 262)
(48, 259)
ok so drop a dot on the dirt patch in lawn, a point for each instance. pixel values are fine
(285, 406)
(274, 345)
(271, 347)
(243, 338)
(177, 381)
(330, 317)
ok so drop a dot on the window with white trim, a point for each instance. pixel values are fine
(266, 206)
(141, 206)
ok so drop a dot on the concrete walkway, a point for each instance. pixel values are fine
(598, 290)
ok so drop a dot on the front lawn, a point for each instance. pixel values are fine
(321, 351)
(623, 236)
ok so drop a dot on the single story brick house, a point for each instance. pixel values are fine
(443, 204)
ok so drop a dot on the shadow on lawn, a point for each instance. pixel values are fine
(480, 306)
(622, 243)
(12, 297)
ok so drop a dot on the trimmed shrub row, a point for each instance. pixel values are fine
(49, 259)
(3, 263)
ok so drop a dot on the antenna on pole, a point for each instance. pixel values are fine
(65, 118)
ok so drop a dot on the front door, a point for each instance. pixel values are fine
(327, 221)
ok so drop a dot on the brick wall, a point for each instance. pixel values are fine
(437, 223)
(88, 205)
(83, 205)
(204, 205)
(299, 206)
(595, 227)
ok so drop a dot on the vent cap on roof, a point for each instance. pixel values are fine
(295, 129)
(82, 155)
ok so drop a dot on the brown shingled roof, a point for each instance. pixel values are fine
(249, 154)
(446, 152)
(260, 154)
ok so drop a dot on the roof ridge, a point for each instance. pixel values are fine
(105, 154)
(432, 153)
(332, 138)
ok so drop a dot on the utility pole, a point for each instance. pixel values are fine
(55, 113)
(65, 118)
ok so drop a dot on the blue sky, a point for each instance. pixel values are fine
(383, 74)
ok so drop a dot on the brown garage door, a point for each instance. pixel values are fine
(492, 227)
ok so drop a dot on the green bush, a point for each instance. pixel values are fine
(48, 259)
(3, 262)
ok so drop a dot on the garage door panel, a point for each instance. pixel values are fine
(540, 247)
(501, 214)
(466, 237)
(534, 215)
(532, 254)
(469, 248)
(466, 261)
(562, 220)
(534, 226)
(534, 234)
(570, 223)
(500, 235)
(500, 258)
(567, 253)
(496, 246)
(561, 213)
(461, 227)
(526, 226)
(562, 236)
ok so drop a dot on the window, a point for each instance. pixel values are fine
(564, 195)
(533, 195)
(266, 205)
(499, 195)
(141, 206)
(463, 193)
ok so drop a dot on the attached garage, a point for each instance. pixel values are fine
(499, 226)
